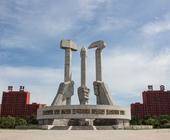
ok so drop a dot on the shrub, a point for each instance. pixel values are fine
(20, 122)
(7, 122)
(11, 122)
(32, 120)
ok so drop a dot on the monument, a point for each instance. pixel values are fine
(62, 113)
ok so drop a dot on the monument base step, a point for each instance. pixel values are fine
(82, 127)
(60, 128)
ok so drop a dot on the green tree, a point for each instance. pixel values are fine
(167, 117)
(32, 120)
(20, 121)
(136, 121)
(163, 121)
(7, 122)
(154, 122)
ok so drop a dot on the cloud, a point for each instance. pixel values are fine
(40, 81)
(131, 72)
(29, 23)
(126, 75)
(16, 41)
(41, 25)
(108, 24)
(156, 27)
(87, 8)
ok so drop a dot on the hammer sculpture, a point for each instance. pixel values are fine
(66, 88)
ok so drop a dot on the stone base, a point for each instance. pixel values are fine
(45, 121)
(80, 122)
(121, 124)
(60, 122)
(47, 127)
(84, 115)
(54, 122)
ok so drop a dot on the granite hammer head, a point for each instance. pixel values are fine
(68, 44)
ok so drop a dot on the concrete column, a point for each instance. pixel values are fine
(83, 55)
(68, 57)
(98, 64)
(99, 45)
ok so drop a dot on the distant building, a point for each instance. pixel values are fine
(17, 104)
(155, 103)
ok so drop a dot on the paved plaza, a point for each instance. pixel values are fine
(156, 134)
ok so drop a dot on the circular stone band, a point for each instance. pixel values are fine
(84, 112)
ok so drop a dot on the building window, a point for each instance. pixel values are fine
(56, 111)
(98, 111)
(66, 111)
(112, 112)
(122, 112)
(81, 111)
(48, 112)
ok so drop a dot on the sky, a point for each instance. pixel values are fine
(137, 34)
